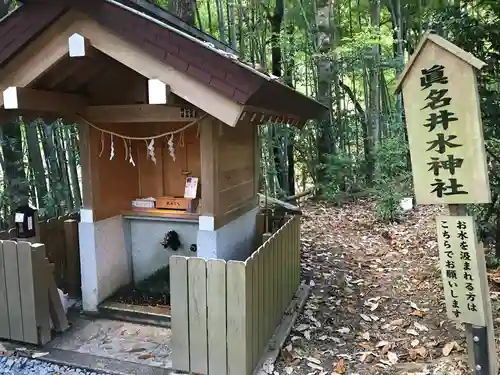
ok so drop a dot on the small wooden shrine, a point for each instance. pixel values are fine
(168, 132)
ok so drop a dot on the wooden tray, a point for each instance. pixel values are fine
(177, 203)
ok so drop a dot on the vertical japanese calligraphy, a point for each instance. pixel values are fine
(444, 129)
(460, 269)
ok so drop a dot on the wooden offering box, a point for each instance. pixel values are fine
(177, 203)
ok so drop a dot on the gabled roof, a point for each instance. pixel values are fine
(217, 68)
(444, 44)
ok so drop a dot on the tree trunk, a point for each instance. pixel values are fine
(374, 86)
(220, 19)
(325, 141)
(72, 148)
(276, 21)
(184, 9)
(61, 155)
(12, 145)
(231, 23)
(36, 161)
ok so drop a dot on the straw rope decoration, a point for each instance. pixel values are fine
(149, 141)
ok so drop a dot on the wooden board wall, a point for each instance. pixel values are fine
(236, 167)
(116, 182)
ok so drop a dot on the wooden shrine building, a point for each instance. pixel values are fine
(155, 104)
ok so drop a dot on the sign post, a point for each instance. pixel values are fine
(445, 136)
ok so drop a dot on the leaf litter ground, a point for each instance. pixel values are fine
(376, 304)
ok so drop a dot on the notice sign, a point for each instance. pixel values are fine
(461, 264)
(444, 125)
(191, 188)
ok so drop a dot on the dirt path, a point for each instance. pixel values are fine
(376, 303)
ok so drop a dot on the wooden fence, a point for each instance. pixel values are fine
(224, 313)
(24, 298)
(60, 237)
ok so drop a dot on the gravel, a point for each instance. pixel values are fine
(26, 366)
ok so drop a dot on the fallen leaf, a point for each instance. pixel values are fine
(420, 327)
(449, 347)
(415, 343)
(343, 330)
(366, 357)
(421, 351)
(302, 327)
(396, 323)
(314, 366)
(419, 313)
(386, 348)
(307, 335)
(365, 345)
(145, 356)
(382, 343)
(413, 305)
(313, 360)
(366, 318)
(412, 332)
(340, 367)
(392, 357)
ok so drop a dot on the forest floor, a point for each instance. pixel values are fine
(376, 305)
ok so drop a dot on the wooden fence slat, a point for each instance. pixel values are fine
(236, 318)
(40, 275)
(179, 313)
(296, 253)
(250, 333)
(27, 292)
(255, 307)
(268, 291)
(278, 274)
(286, 266)
(198, 339)
(216, 317)
(290, 258)
(13, 290)
(4, 310)
(262, 298)
(72, 276)
(281, 276)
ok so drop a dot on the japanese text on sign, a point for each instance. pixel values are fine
(438, 122)
(445, 130)
(460, 269)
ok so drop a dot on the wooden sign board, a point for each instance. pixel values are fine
(462, 267)
(444, 125)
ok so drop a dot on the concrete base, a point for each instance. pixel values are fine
(146, 235)
(233, 241)
(104, 259)
(122, 249)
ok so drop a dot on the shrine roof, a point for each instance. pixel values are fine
(184, 48)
